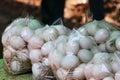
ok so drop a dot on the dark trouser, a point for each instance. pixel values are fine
(54, 9)
(51, 10)
(97, 8)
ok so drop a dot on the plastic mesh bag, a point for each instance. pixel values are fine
(15, 47)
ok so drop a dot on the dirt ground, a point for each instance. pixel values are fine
(73, 17)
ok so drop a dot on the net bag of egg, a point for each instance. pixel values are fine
(15, 45)
(91, 52)
(40, 45)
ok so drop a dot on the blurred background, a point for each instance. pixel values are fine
(76, 12)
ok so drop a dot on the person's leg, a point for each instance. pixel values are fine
(97, 8)
(52, 10)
